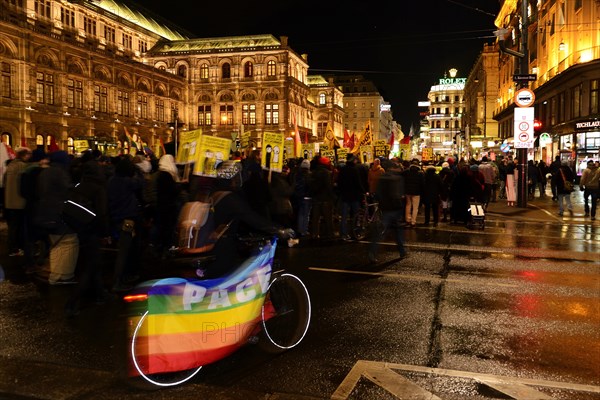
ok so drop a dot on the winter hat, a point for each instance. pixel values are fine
(305, 164)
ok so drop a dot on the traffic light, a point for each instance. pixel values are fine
(537, 127)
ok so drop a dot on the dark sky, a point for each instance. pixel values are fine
(403, 46)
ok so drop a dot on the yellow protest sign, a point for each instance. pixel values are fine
(329, 154)
(81, 145)
(272, 151)
(288, 149)
(427, 154)
(342, 153)
(404, 151)
(308, 151)
(366, 154)
(211, 151)
(188, 143)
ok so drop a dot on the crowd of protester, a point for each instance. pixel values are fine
(137, 199)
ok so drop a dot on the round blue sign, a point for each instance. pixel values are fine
(505, 147)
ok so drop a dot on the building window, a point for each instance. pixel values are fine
(142, 106)
(322, 99)
(226, 71)
(182, 71)
(204, 71)
(204, 116)
(89, 25)
(142, 46)
(174, 112)
(109, 34)
(248, 70)
(127, 42)
(594, 90)
(160, 110)
(561, 107)
(372, 114)
(45, 88)
(271, 114)
(74, 94)
(271, 70)
(42, 8)
(6, 83)
(67, 17)
(249, 114)
(226, 115)
(576, 101)
(100, 98)
(321, 130)
(123, 107)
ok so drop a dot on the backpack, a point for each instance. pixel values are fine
(78, 210)
(196, 228)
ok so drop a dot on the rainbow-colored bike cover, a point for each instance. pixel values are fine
(195, 322)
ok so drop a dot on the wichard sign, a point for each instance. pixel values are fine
(524, 97)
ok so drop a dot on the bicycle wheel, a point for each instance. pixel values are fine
(285, 314)
(147, 380)
(359, 224)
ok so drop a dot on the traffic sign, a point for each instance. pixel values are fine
(524, 97)
(524, 138)
(525, 78)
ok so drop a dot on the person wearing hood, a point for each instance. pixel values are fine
(590, 181)
(375, 172)
(321, 192)
(14, 202)
(351, 192)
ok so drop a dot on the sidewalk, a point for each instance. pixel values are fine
(542, 209)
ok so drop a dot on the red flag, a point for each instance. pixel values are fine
(297, 142)
(23, 141)
(53, 145)
(346, 138)
(391, 143)
(351, 141)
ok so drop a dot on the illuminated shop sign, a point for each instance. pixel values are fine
(452, 81)
(587, 124)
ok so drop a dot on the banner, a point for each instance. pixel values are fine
(404, 151)
(81, 145)
(341, 155)
(366, 139)
(188, 142)
(427, 154)
(308, 151)
(329, 154)
(381, 151)
(330, 140)
(272, 151)
(211, 151)
(366, 154)
(288, 150)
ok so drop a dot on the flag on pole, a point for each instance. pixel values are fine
(366, 139)
(132, 143)
(330, 140)
(297, 140)
(391, 142)
(346, 138)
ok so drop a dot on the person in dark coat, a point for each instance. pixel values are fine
(414, 181)
(92, 186)
(459, 193)
(565, 174)
(391, 196)
(351, 192)
(447, 177)
(232, 209)
(321, 191)
(125, 217)
(432, 190)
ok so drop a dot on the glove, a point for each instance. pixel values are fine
(285, 233)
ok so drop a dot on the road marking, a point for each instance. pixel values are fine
(382, 374)
(424, 278)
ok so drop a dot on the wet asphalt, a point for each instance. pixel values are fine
(518, 299)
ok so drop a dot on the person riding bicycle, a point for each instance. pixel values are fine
(233, 209)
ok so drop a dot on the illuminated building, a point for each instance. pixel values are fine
(73, 69)
(481, 92)
(328, 102)
(564, 55)
(446, 110)
(364, 103)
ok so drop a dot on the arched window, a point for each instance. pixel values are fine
(6, 138)
(226, 71)
(322, 99)
(271, 70)
(248, 70)
(204, 71)
(182, 71)
(162, 68)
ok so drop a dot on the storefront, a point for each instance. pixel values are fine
(587, 143)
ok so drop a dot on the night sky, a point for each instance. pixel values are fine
(403, 50)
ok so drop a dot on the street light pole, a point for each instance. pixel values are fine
(522, 152)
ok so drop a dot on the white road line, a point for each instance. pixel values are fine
(422, 278)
